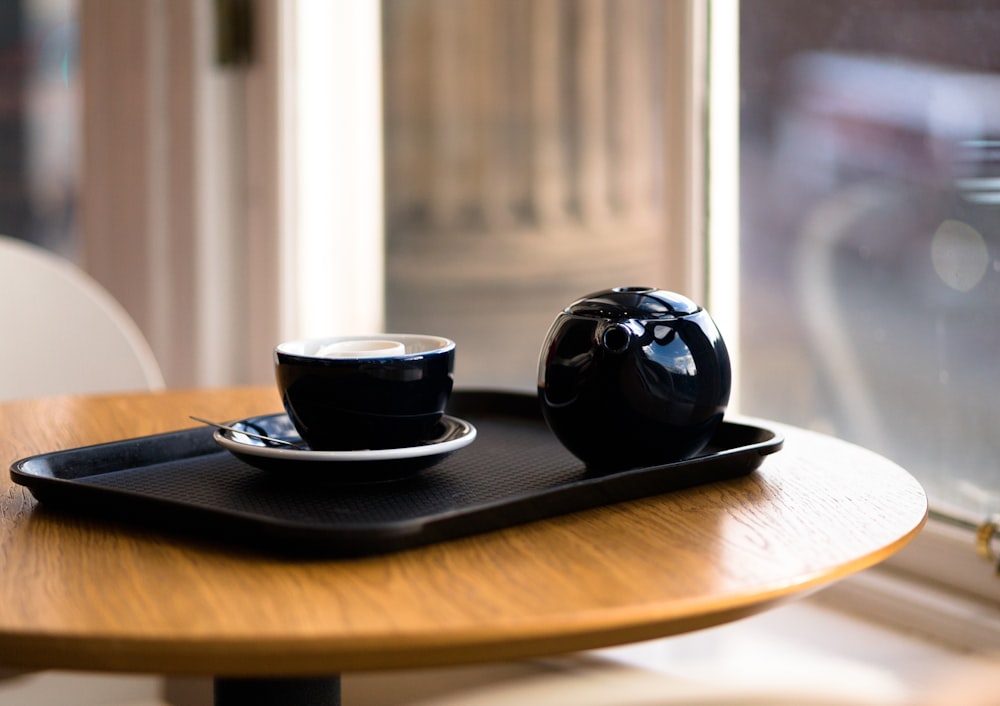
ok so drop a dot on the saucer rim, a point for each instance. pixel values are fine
(466, 429)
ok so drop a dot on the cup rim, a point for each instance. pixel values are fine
(415, 345)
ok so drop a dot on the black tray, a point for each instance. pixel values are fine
(515, 471)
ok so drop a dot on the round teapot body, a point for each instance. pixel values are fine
(633, 376)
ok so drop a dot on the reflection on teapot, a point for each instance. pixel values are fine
(633, 376)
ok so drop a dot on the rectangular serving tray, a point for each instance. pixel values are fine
(515, 471)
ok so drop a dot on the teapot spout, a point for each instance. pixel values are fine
(617, 336)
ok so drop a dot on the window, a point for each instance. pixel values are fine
(870, 234)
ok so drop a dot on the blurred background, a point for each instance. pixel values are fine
(39, 114)
(527, 156)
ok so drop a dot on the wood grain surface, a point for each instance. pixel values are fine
(82, 593)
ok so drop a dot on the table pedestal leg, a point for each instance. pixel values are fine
(319, 691)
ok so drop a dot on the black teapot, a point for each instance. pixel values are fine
(632, 377)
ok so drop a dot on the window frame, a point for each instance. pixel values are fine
(174, 184)
(199, 175)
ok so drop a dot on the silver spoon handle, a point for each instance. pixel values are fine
(269, 439)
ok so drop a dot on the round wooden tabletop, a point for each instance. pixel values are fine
(82, 593)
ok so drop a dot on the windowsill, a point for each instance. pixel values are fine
(806, 647)
(937, 587)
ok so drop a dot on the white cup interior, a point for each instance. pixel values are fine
(362, 348)
(377, 345)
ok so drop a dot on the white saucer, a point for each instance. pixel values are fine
(363, 464)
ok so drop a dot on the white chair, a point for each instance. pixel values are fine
(62, 332)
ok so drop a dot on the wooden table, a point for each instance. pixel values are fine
(82, 593)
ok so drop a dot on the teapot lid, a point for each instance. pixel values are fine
(633, 303)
